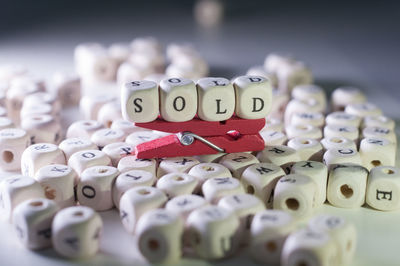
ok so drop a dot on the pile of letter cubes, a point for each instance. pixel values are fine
(317, 151)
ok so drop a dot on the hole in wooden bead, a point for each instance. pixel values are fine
(36, 203)
(304, 141)
(8, 156)
(388, 171)
(108, 123)
(292, 204)
(143, 192)
(178, 178)
(376, 163)
(271, 246)
(102, 170)
(78, 213)
(346, 191)
(87, 123)
(336, 140)
(37, 118)
(208, 168)
(250, 189)
(153, 244)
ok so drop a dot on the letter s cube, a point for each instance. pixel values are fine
(139, 101)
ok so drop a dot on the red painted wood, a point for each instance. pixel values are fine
(170, 146)
(207, 128)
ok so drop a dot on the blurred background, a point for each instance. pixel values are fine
(344, 43)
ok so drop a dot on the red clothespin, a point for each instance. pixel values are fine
(197, 137)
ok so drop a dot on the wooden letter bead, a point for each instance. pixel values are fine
(343, 96)
(106, 136)
(83, 129)
(269, 230)
(72, 145)
(93, 62)
(178, 99)
(128, 180)
(95, 187)
(90, 105)
(346, 185)
(383, 188)
(216, 99)
(136, 201)
(32, 222)
(109, 112)
(260, 179)
(217, 187)
(280, 155)
(204, 171)
(139, 137)
(301, 106)
(343, 234)
(140, 101)
(118, 150)
(81, 160)
(36, 109)
(273, 138)
(58, 182)
(212, 231)
(376, 151)
(42, 128)
(307, 148)
(338, 156)
(38, 155)
(380, 132)
(318, 172)
(40, 98)
(67, 87)
(183, 205)
(175, 184)
(16, 189)
(308, 118)
(132, 163)
(363, 109)
(378, 121)
(125, 125)
(176, 164)
(159, 234)
(307, 247)
(292, 75)
(310, 91)
(295, 193)
(238, 162)
(245, 206)
(253, 97)
(343, 119)
(76, 232)
(13, 142)
(349, 132)
(338, 143)
(305, 131)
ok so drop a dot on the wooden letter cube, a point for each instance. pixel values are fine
(76, 232)
(216, 99)
(32, 221)
(253, 97)
(140, 101)
(383, 188)
(347, 184)
(13, 142)
(178, 99)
